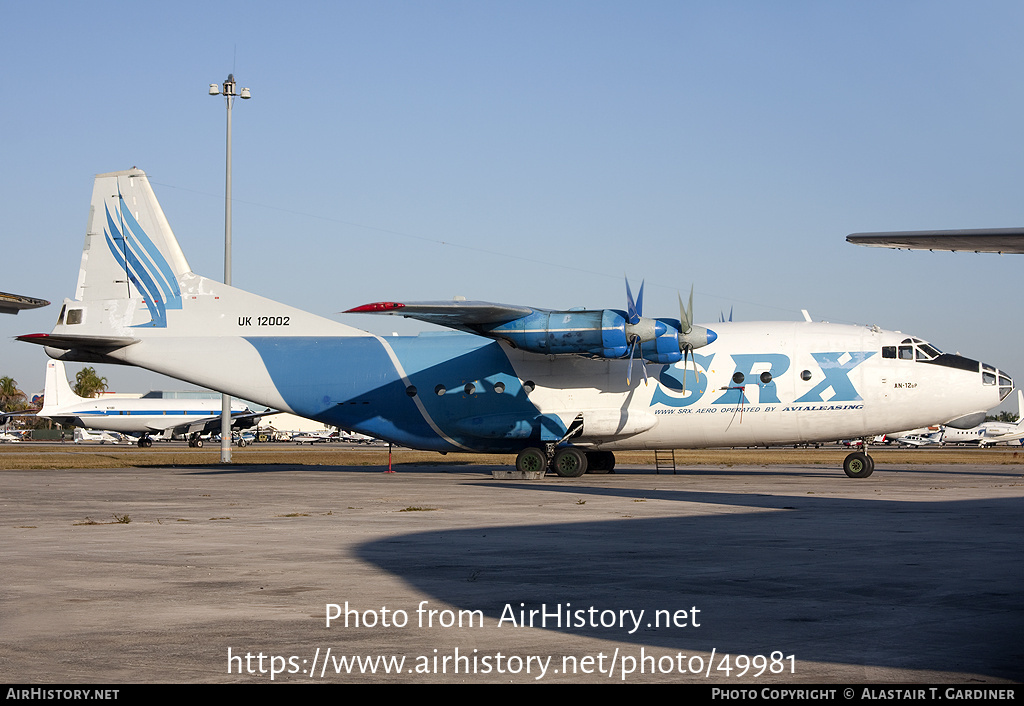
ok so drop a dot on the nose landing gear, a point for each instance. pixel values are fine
(858, 465)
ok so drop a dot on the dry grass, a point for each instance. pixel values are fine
(30, 455)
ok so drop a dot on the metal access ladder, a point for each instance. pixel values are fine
(665, 459)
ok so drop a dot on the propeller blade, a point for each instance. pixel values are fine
(634, 308)
(685, 314)
(634, 343)
(686, 353)
(629, 370)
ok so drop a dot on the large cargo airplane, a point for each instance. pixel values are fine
(556, 388)
(139, 417)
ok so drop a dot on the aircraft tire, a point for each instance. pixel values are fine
(570, 462)
(600, 461)
(199, 443)
(531, 460)
(858, 465)
(241, 443)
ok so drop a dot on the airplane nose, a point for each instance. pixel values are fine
(990, 375)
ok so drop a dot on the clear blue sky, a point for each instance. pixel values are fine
(532, 153)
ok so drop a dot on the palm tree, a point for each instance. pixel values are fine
(88, 383)
(11, 398)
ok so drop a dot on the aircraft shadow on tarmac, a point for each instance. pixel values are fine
(913, 585)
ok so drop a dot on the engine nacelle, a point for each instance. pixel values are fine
(604, 333)
(600, 333)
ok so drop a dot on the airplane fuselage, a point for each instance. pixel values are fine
(777, 382)
(137, 416)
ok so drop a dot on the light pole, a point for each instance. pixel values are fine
(228, 90)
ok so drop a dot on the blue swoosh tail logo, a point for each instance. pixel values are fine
(143, 263)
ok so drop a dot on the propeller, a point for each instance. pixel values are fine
(691, 336)
(638, 329)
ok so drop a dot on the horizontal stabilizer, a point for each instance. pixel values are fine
(69, 342)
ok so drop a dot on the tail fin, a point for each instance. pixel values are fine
(130, 251)
(139, 303)
(58, 393)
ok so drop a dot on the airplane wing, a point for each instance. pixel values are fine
(595, 333)
(460, 315)
(13, 303)
(239, 420)
(8, 415)
(999, 240)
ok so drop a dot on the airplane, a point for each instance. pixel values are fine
(925, 436)
(555, 388)
(102, 437)
(141, 417)
(315, 437)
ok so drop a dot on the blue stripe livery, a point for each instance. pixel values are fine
(145, 266)
(457, 390)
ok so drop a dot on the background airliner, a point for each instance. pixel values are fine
(139, 417)
(556, 388)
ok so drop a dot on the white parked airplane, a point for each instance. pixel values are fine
(100, 437)
(549, 386)
(139, 417)
(917, 437)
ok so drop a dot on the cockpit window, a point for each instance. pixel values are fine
(912, 349)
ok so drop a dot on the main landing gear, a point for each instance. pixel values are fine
(194, 441)
(567, 462)
(144, 442)
(859, 465)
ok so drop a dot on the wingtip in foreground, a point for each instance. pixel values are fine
(995, 240)
(13, 303)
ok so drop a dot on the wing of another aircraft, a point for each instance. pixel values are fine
(239, 420)
(998, 240)
(13, 303)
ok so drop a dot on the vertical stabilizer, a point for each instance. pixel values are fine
(130, 251)
(57, 394)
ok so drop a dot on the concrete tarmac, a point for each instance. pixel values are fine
(744, 575)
